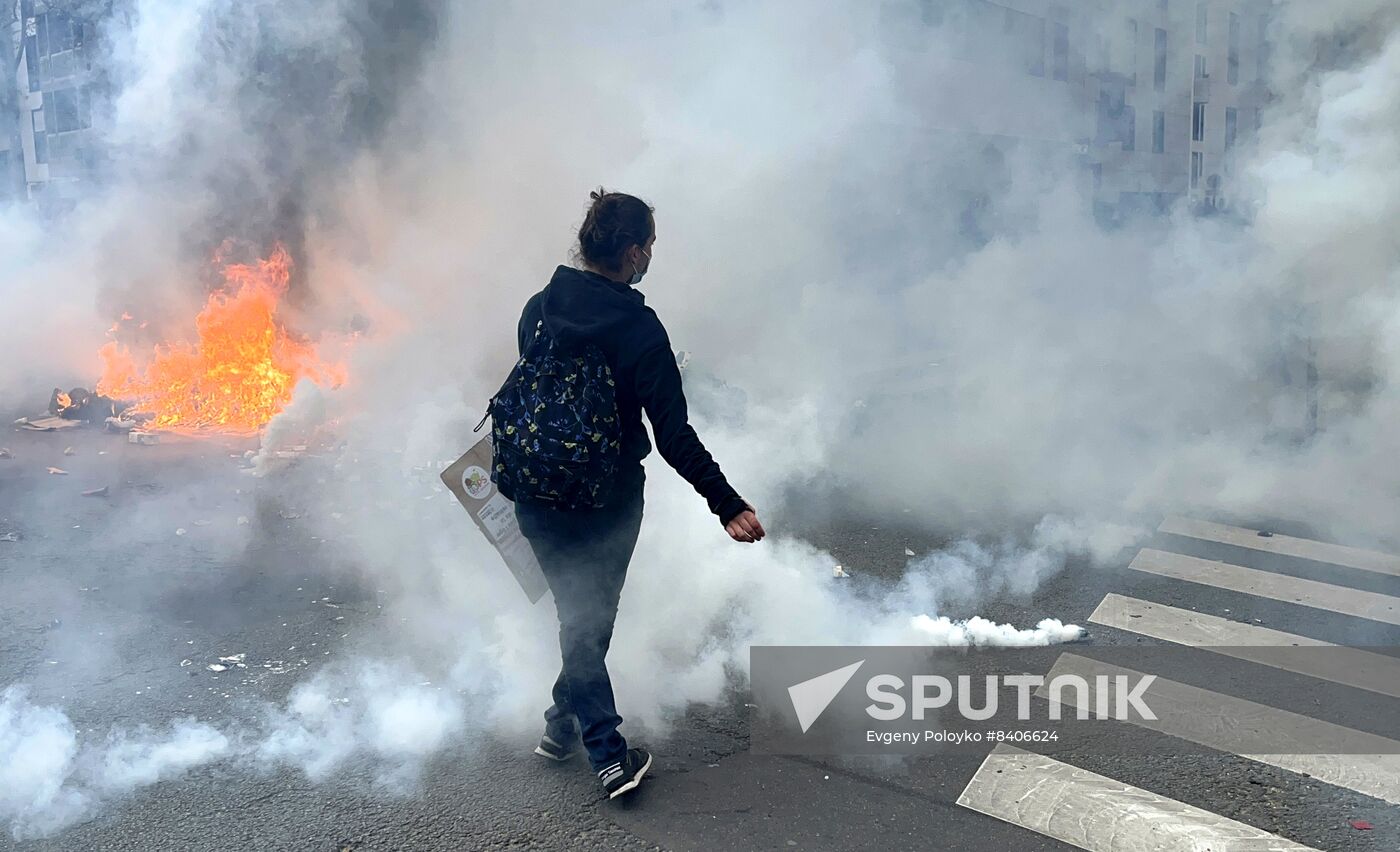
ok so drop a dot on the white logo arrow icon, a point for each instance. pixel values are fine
(811, 697)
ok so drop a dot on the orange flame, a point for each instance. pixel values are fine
(243, 368)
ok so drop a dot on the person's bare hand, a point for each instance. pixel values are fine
(745, 527)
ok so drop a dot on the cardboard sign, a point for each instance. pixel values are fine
(469, 478)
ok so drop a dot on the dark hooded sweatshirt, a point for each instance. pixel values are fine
(583, 307)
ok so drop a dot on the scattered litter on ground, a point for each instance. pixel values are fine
(838, 571)
(58, 471)
(216, 667)
(5, 453)
(180, 531)
(146, 438)
(243, 520)
(68, 451)
(184, 663)
(96, 492)
(46, 424)
(1265, 534)
(9, 536)
(201, 523)
(908, 552)
(1361, 825)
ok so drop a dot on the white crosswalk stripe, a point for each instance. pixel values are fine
(1097, 813)
(1364, 762)
(1317, 551)
(1091, 811)
(1266, 646)
(1265, 584)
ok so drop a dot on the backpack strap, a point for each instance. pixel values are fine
(529, 348)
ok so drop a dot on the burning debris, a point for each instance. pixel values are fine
(240, 371)
(81, 404)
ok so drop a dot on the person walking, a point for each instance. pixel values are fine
(584, 551)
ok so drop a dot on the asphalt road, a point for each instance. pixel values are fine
(80, 625)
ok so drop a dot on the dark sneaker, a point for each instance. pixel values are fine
(627, 773)
(555, 750)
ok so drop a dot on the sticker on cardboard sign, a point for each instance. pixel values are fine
(476, 482)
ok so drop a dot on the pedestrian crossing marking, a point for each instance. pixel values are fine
(1265, 584)
(1357, 760)
(1347, 666)
(1097, 813)
(1283, 545)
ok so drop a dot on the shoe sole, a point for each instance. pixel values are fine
(636, 779)
(554, 757)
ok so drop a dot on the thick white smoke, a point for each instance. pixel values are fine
(1032, 395)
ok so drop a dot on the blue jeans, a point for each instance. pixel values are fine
(584, 554)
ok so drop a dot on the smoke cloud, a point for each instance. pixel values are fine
(884, 316)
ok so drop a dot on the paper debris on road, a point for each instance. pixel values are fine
(908, 552)
(180, 531)
(243, 520)
(96, 492)
(68, 451)
(184, 663)
(838, 571)
(5, 453)
(216, 667)
(9, 536)
(46, 424)
(58, 471)
(146, 438)
(1361, 825)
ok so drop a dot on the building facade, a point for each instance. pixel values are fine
(58, 80)
(1151, 97)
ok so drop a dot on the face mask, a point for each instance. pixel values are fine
(638, 273)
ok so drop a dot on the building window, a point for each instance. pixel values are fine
(1159, 73)
(1024, 37)
(1197, 166)
(1200, 67)
(1201, 16)
(1262, 57)
(41, 142)
(1132, 52)
(31, 61)
(1231, 126)
(1159, 132)
(66, 114)
(1198, 121)
(1129, 128)
(1232, 63)
(56, 32)
(1061, 52)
